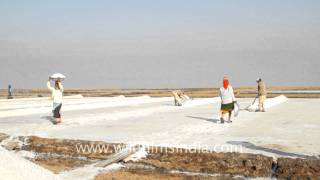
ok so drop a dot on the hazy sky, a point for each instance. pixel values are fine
(157, 44)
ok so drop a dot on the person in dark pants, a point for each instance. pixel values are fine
(10, 92)
(57, 95)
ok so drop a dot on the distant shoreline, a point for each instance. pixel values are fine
(241, 92)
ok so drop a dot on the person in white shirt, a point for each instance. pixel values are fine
(57, 96)
(227, 99)
(180, 97)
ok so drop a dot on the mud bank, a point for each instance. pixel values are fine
(292, 92)
(288, 168)
(248, 165)
(59, 155)
(146, 175)
(71, 148)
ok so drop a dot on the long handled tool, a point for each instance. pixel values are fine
(247, 108)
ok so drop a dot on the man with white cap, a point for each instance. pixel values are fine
(262, 94)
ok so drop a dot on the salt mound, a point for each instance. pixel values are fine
(14, 167)
(269, 102)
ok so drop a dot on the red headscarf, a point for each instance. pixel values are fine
(225, 83)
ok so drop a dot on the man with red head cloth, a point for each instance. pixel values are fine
(227, 99)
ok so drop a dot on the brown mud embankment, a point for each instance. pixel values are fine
(60, 155)
(241, 92)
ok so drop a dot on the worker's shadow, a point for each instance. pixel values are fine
(249, 145)
(169, 105)
(49, 118)
(206, 119)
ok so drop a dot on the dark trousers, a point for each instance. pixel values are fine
(56, 111)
